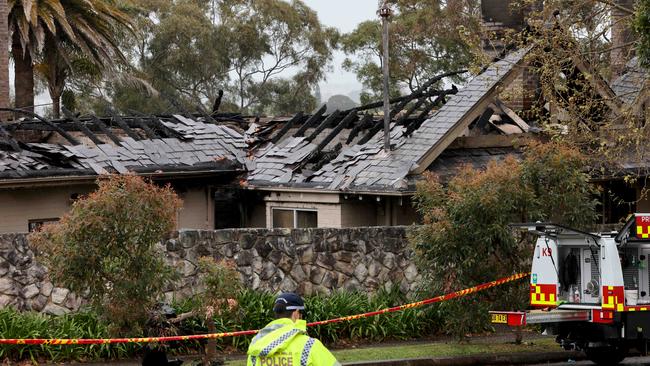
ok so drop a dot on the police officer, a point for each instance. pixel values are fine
(284, 341)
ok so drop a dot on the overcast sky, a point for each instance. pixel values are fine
(344, 15)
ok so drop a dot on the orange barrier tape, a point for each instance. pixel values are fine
(441, 298)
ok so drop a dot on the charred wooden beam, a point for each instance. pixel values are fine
(217, 102)
(412, 108)
(123, 125)
(310, 121)
(287, 126)
(423, 115)
(81, 126)
(56, 128)
(317, 151)
(326, 123)
(397, 100)
(326, 157)
(9, 140)
(419, 93)
(347, 120)
(366, 122)
(162, 129)
(483, 120)
(371, 133)
(102, 126)
(147, 130)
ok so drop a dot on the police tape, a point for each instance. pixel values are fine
(441, 298)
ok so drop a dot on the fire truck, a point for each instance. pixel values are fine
(591, 290)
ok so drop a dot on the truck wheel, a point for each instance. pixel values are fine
(606, 355)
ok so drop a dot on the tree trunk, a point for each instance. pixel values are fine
(57, 72)
(4, 59)
(24, 76)
(211, 345)
(56, 105)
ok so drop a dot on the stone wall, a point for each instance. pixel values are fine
(24, 283)
(303, 260)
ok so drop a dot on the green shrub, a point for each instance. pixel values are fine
(255, 311)
(105, 247)
(15, 324)
(465, 239)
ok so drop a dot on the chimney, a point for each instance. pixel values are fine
(502, 13)
(498, 17)
(622, 36)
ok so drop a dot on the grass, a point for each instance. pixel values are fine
(437, 349)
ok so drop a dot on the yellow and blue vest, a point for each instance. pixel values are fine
(285, 343)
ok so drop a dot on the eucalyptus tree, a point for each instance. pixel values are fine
(419, 47)
(270, 39)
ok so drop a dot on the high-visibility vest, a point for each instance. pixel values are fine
(285, 343)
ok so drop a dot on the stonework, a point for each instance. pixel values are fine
(306, 261)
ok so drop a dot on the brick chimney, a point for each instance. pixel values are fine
(622, 36)
(498, 17)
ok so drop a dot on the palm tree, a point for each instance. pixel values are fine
(57, 32)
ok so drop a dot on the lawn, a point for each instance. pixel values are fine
(437, 349)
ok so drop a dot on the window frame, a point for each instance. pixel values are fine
(295, 215)
(37, 224)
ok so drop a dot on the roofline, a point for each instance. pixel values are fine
(434, 151)
(328, 191)
(66, 179)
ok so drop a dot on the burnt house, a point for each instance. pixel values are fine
(333, 171)
(45, 165)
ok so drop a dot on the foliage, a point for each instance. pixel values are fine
(642, 27)
(15, 324)
(56, 32)
(255, 311)
(281, 97)
(419, 47)
(568, 69)
(104, 248)
(465, 239)
(222, 284)
(273, 36)
(189, 50)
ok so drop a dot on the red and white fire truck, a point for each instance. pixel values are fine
(591, 290)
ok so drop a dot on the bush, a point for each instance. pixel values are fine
(466, 240)
(14, 324)
(255, 311)
(105, 248)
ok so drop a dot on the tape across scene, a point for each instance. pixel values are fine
(441, 298)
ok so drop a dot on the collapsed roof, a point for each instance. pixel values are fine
(91, 146)
(328, 159)
(340, 151)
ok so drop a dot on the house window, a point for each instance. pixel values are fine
(294, 218)
(37, 224)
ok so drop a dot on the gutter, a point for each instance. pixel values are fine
(92, 177)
